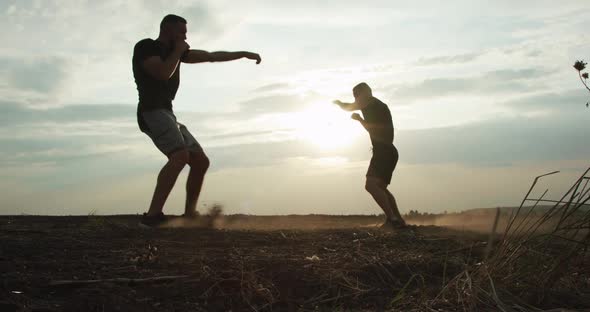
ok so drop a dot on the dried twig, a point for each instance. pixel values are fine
(118, 280)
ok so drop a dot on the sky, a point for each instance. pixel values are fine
(482, 93)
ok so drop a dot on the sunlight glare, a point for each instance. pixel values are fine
(325, 125)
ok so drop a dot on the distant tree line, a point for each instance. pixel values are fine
(418, 214)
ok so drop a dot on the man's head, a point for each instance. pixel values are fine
(362, 93)
(173, 28)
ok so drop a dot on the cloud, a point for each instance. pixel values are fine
(570, 101)
(449, 59)
(70, 66)
(521, 74)
(62, 135)
(271, 153)
(204, 22)
(104, 123)
(278, 103)
(237, 135)
(271, 87)
(33, 80)
(493, 82)
(58, 155)
(500, 141)
(40, 75)
(76, 19)
(284, 14)
(68, 136)
(17, 114)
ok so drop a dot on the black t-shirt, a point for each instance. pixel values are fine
(153, 93)
(378, 113)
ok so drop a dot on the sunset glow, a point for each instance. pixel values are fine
(325, 126)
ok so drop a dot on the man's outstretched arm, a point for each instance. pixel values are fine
(200, 56)
(347, 106)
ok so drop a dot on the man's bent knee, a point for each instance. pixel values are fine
(199, 161)
(179, 158)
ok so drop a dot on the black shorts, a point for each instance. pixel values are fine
(383, 163)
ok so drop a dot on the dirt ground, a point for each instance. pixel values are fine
(289, 263)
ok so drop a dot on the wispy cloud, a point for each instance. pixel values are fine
(493, 82)
(18, 114)
(567, 102)
(33, 81)
(278, 103)
(449, 59)
(500, 141)
(271, 87)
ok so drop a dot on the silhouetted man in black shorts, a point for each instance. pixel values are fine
(377, 121)
(156, 68)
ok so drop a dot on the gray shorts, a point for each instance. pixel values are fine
(168, 134)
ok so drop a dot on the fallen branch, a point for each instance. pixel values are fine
(23, 231)
(118, 280)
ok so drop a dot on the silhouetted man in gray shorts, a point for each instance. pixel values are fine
(377, 121)
(156, 68)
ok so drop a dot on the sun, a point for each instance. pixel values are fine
(325, 126)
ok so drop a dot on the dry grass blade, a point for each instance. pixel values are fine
(400, 294)
(492, 235)
(536, 256)
(118, 280)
